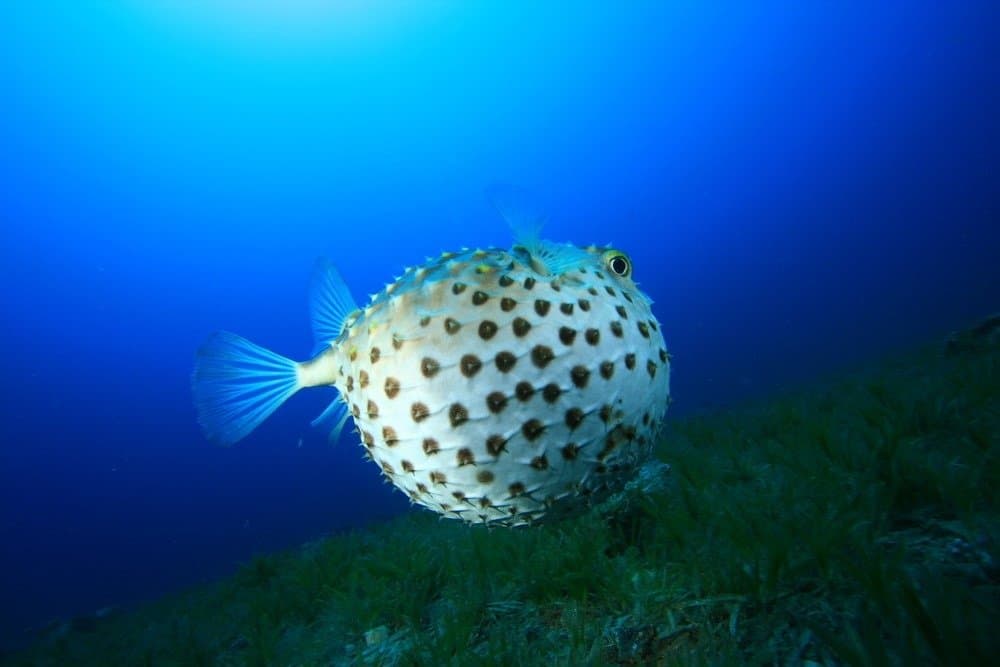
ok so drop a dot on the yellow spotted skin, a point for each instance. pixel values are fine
(493, 390)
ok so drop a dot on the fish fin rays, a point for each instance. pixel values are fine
(517, 207)
(560, 258)
(238, 384)
(330, 304)
(525, 218)
(336, 414)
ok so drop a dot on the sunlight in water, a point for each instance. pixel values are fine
(290, 22)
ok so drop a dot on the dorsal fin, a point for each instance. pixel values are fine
(560, 258)
(330, 303)
(521, 211)
(523, 214)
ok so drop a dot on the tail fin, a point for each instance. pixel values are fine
(238, 384)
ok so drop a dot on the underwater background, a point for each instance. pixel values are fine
(801, 187)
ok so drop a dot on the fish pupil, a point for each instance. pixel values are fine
(619, 265)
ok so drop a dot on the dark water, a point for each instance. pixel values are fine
(799, 189)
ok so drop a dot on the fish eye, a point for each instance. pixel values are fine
(619, 264)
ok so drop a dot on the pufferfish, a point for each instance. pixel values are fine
(494, 386)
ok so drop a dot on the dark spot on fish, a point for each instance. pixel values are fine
(487, 329)
(363, 379)
(611, 442)
(651, 368)
(505, 361)
(607, 369)
(627, 297)
(580, 375)
(438, 477)
(505, 281)
(421, 487)
(593, 336)
(350, 383)
(495, 444)
(567, 335)
(425, 320)
(355, 410)
(451, 325)
(542, 355)
(584, 305)
(524, 391)
(630, 361)
(458, 495)
(387, 468)
(532, 429)
(663, 355)
(551, 392)
(516, 489)
(375, 354)
(616, 329)
(521, 327)
(484, 502)
(479, 298)
(419, 412)
(622, 313)
(458, 414)
(389, 436)
(407, 466)
(431, 446)
(643, 329)
(652, 325)
(372, 410)
(592, 291)
(465, 457)
(429, 367)
(570, 451)
(496, 401)
(609, 290)
(556, 286)
(397, 342)
(529, 282)
(645, 419)
(605, 413)
(542, 307)
(484, 477)
(540, 462)
(458, 288)
(600, 276)
(566, 308)
(507, 304)
(391, 387)
(353, 356)
(470, 365)
(574, 417)
(367, 438)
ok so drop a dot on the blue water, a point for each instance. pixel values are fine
(800, 190)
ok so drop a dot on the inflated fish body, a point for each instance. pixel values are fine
(494, 386)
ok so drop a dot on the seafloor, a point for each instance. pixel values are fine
(849, 523)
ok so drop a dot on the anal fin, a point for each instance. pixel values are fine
(336, 414)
